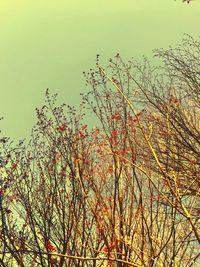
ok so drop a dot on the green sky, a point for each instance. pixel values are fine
(48, 43)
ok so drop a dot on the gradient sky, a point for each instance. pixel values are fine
(49, 43)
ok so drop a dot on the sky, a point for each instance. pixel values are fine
(49, 43)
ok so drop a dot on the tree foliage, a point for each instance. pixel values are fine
(123, 193)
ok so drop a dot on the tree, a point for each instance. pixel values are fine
(124, 193)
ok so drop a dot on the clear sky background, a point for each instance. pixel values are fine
(49, 43)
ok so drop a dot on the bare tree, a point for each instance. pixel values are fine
(124, 193)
